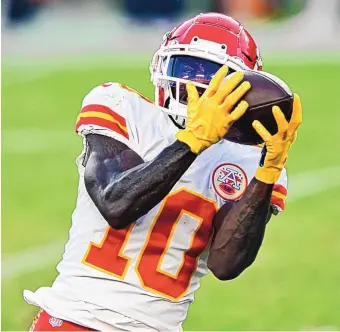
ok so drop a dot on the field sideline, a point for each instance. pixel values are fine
(293, 285)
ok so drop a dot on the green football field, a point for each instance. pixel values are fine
(294, 283)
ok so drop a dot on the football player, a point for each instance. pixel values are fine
(165, 191)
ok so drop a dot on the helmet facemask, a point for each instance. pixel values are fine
(175, 65)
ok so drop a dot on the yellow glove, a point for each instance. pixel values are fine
(278, 145)
(210, 116)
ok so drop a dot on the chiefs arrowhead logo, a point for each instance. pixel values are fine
(229, 181)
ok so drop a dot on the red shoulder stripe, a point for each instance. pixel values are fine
(102, 123)
(105, 110)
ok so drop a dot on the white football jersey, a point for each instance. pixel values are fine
(149, 271)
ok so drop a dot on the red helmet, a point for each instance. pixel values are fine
(195, 50)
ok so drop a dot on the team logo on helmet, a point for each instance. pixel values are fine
(55, 322)
(229, 181)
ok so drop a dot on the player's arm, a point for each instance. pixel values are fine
(124, 187)
(239, 230)
(240, 226)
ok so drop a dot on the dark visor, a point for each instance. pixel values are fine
(192, 69)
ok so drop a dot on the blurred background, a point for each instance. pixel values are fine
(55, 51)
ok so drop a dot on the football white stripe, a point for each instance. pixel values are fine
(33, 259)
(302, 185)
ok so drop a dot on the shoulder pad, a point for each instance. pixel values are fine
(101, 109)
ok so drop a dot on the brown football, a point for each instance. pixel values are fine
(266, 91)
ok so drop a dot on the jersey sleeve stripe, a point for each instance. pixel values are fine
(101, 116)
(279, 195)
(281, 189)
(278, 202)
(108, 124)
(104, 110)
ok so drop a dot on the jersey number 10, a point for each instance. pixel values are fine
(108, 256)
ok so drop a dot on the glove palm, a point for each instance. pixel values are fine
(210, 116)
(279, 144)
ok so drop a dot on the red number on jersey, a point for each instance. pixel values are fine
(149, 264)
(107, 257)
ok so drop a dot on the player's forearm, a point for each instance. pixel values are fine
(130, 194)
(241, 230)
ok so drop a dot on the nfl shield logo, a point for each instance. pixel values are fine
(229, 181)
(55, 322)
